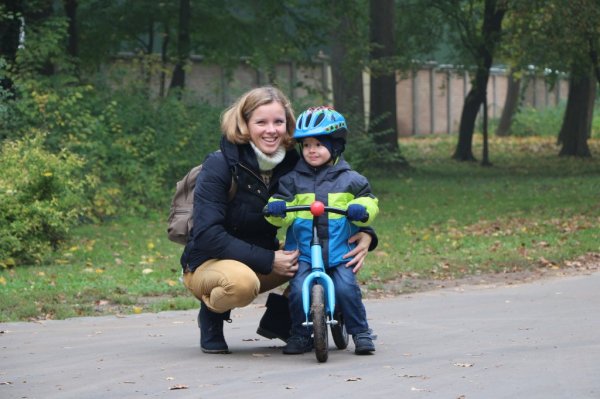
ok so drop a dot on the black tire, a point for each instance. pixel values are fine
(338, 331)
(319, 319)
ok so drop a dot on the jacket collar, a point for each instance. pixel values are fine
(340, 166)
(244, 154)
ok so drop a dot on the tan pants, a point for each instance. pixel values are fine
(224, 284)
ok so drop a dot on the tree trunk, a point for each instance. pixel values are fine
(464, 147)
(383, 79)
(577, 122)
(511, 105)
(73, 38)
(148, 62)
(9, 41)
(346, 70)
(485, 157)
(164, 59)
(183, 45)
(492, 24)
(594, 57)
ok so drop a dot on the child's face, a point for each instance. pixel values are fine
(315, 153)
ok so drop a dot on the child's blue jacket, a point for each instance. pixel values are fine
(336, 185)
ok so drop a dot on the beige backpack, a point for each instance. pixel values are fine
(182, 206)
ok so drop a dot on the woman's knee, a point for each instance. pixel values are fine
(232, 283)
(245, 288)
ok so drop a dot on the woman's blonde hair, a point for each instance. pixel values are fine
(234, 120)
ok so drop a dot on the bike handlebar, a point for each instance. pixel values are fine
(316, 209)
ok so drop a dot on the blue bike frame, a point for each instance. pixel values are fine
(318, 274)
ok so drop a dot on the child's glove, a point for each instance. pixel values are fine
(276, 208)
(357, 212)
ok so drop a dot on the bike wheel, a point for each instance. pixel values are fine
(319, 319)
(338, 331)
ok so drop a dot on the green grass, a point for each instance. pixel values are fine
(443, 220)
(448, 219)
(126, 266)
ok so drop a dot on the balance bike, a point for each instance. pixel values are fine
(318, 291)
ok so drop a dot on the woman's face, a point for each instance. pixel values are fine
(267, 126)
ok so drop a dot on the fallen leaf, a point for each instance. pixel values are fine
(414, 376)
(463, 364)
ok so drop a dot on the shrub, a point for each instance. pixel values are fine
(366, 155)
(135, 148)
(41, 196)
(530, 121)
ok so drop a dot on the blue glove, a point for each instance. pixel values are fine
(357, 212)
(276, 208)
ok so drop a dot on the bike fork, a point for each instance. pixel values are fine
(318, 276)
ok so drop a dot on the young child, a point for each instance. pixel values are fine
(322, 174)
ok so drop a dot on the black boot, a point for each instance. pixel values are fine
(211, 330)
(276, 322)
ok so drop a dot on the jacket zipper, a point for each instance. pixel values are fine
(255, 175)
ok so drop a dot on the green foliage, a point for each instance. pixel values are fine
(41, 197)
(159, 142)
(545, 122)
(553, 35)
(44, 47)
(530, 121)
(421, 33)
(366, 155)
(135, 148)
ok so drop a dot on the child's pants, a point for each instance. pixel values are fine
(224, 284)
(348, 299)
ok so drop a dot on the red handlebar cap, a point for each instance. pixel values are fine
(317, 208)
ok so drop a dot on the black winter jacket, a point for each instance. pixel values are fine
(234, 229)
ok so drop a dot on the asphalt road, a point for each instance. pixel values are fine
(535, 340)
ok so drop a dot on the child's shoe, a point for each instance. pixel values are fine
(363, 343)
(298, 344)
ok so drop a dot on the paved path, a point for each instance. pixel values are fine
(537, 340)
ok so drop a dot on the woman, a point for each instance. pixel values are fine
(233, 253)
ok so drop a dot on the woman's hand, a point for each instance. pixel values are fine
(363, 241)
(285, 263)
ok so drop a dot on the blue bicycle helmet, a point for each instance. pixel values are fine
(321, 121)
